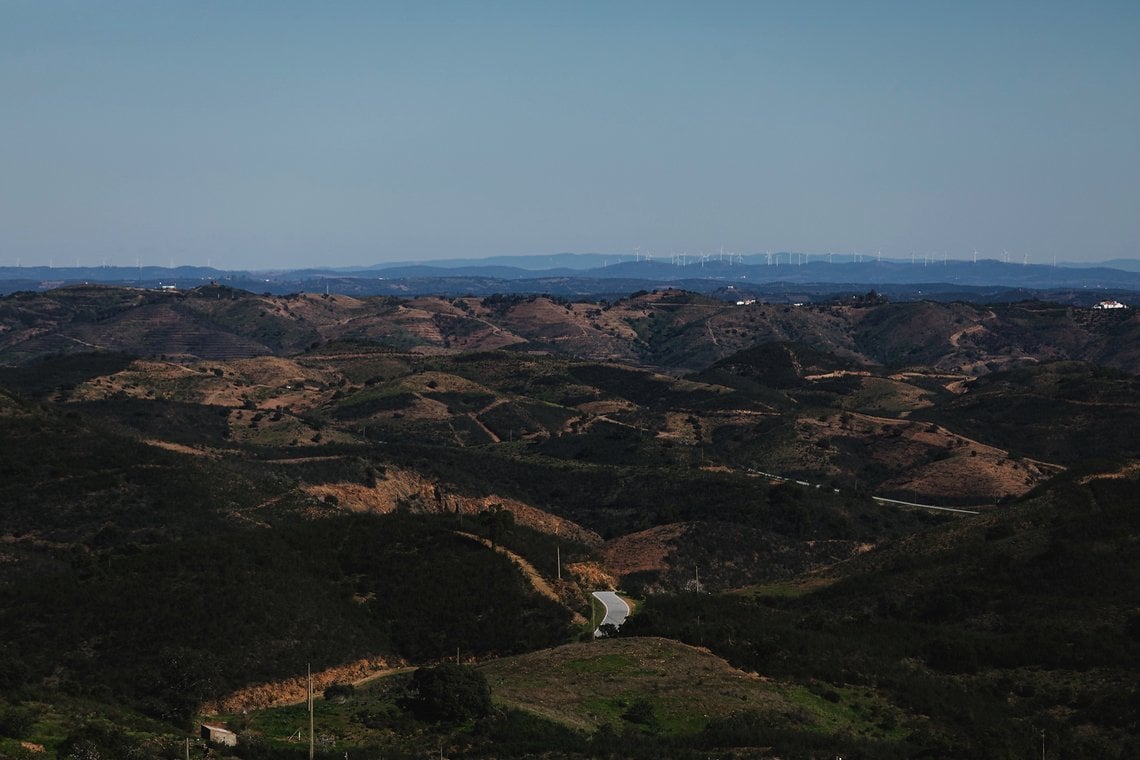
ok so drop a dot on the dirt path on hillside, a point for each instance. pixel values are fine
(181, 448)
(708, 329)
(972, 329)
(948, 432)
(243, 514)
(1125, 472)
(838, 373)
(294, 691)
(536, 580)
(956, 338)
(474, 417)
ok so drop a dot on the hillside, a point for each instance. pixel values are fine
(670, 330)
(670, 689)
(993, 628)
(249, 484)
(1019, 408)
(631, 696)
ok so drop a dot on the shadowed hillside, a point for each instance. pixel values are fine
(991, 629)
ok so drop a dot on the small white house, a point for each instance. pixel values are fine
(219, 735)
(1110, 305)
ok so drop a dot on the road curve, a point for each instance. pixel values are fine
(616, 610)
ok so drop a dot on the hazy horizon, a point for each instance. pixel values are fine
(292, 135)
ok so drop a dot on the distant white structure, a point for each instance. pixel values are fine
(1110, 305)
(219, 735)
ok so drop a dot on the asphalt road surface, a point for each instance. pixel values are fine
(616, 609)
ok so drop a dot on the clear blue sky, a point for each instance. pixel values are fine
(287, 134)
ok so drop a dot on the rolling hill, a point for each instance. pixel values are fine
(670, 330)
(202, 491)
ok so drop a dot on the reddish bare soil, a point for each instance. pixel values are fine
(418, 494)
(646, 550)
(294, 690)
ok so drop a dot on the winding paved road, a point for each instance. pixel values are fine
(879, 499)
(616, 609)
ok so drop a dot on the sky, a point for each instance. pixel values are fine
(266, 135)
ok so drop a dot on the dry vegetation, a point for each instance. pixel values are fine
(590, 685)
(292, 691)
(405, 489)
(646, 550)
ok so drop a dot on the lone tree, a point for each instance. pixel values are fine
(451, 692)
(498, 522)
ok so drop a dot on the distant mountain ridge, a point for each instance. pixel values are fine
(601, 276)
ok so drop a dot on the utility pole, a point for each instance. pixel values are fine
(558, 554)
(312, 742)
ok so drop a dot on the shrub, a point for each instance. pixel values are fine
(451, 692)
(339, 692)
(641, 712)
